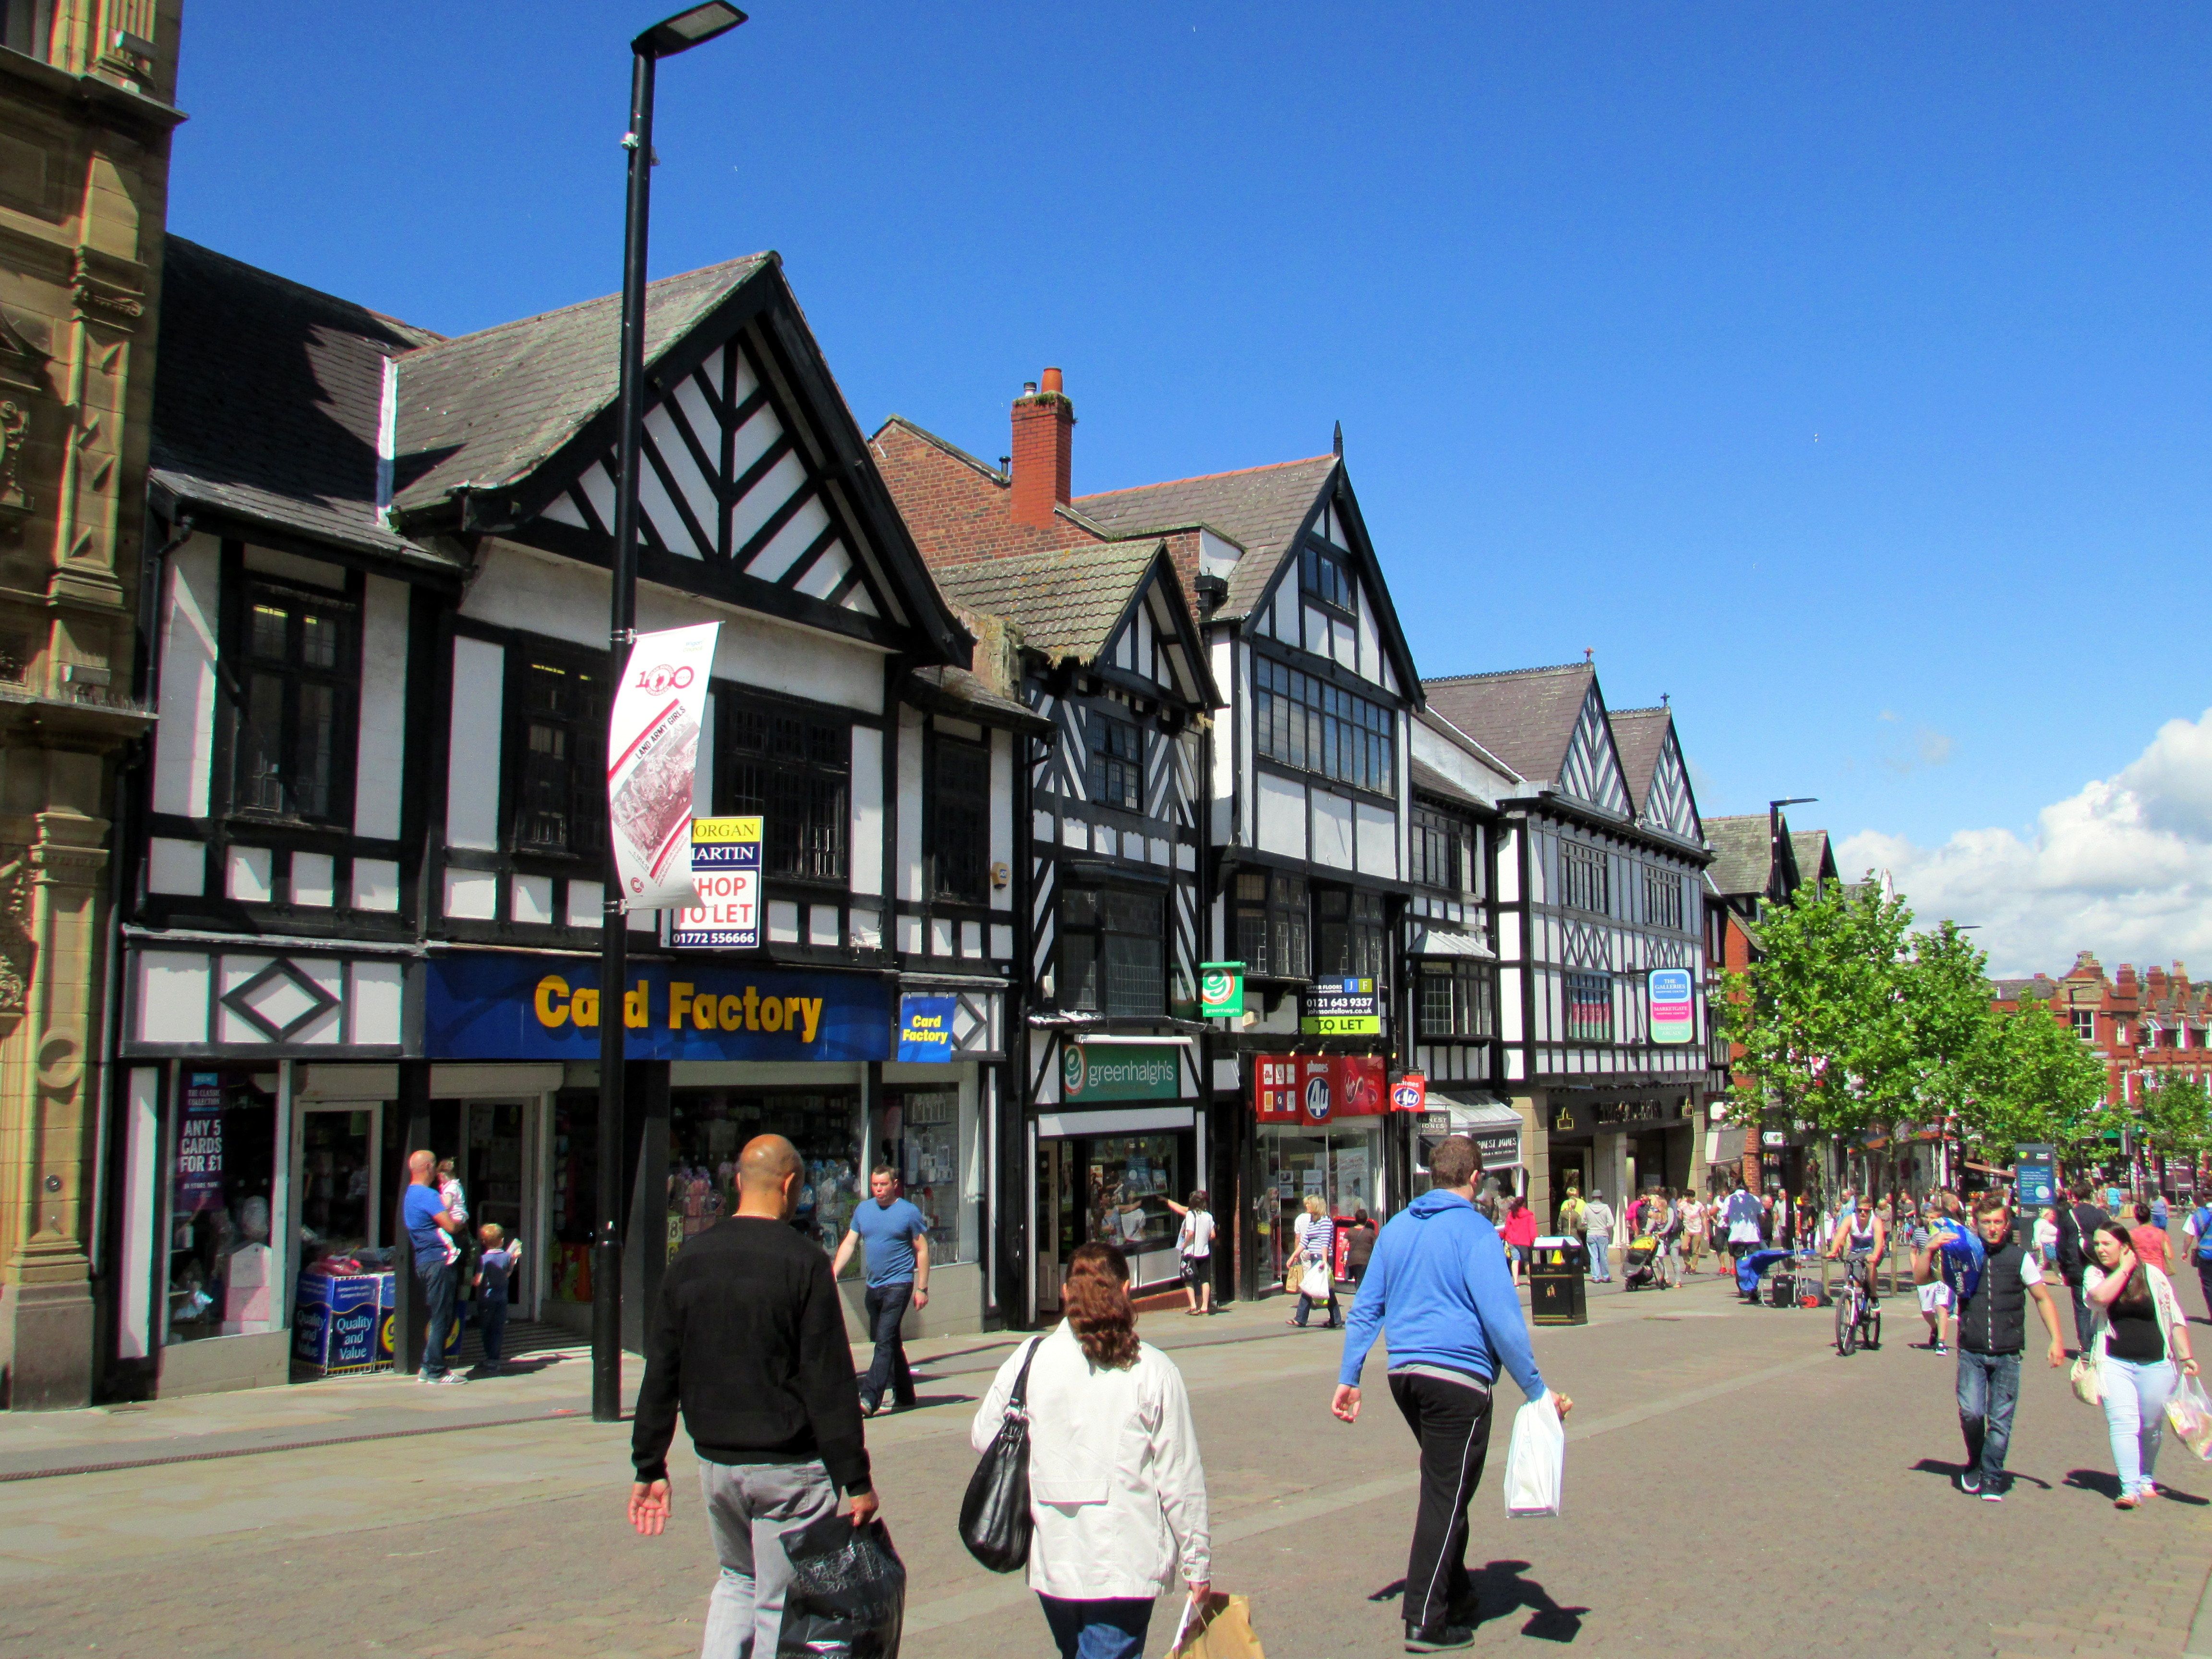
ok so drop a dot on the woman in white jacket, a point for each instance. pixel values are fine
(2141, 1335)
(1117, 1493)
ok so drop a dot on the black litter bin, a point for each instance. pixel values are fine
(1556, 1296)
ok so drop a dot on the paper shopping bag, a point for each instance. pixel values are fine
(1221, 1630)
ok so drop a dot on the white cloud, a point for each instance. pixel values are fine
(2123, 868)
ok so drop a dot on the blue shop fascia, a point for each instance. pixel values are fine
(855, 1067)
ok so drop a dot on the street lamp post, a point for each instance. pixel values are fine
(666, 39)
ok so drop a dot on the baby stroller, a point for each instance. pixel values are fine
(1639, 1264)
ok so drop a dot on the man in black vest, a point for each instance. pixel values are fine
(1992, 1331)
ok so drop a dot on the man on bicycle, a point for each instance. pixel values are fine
(1863, 1236)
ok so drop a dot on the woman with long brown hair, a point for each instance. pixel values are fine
(1117, 1493)
(2141, 1335)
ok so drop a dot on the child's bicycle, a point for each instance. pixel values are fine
(1858, 1321)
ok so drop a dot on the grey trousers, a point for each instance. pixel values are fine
(749, 1507)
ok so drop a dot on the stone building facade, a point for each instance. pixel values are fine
(86, 115)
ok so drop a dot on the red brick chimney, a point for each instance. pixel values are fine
(1044, 450)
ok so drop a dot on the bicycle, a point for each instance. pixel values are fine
(1858, 1321)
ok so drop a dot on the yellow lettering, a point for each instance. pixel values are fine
(771, 1011)
(702, 1013)
(731, 1013)
(752, 1009)
(637, 1007)
(679, 999)
(811, 1007)
(552, 1001)
(791, 1006)
(584, 1008)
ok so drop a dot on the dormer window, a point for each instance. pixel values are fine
(1326, 575)
(1117, 761)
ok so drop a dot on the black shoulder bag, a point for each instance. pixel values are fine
(995, 1514)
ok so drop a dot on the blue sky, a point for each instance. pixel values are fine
(1841, 371)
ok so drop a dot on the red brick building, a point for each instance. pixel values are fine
(2141, 1026)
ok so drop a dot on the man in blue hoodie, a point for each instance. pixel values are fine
(1438, 1282)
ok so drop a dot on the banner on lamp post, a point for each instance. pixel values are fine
(652, 760)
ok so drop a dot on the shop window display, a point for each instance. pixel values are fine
(1129, 1181)
(1340, 1166)
(708, 1127)
(221, 1267)
(572, 1195)
(918, 1134)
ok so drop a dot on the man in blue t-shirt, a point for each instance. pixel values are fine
(896, 1236)
(425, 1217)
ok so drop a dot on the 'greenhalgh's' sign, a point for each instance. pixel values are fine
(1120, 1071)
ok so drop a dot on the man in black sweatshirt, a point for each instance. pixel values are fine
(748, 1338)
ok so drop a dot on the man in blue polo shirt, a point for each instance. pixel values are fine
(896, 1236)
(428, 1223)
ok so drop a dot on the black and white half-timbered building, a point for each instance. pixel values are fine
(1452, 934)
(361, 898)
(1598, 882)
(1309, 812)
(1102, 642)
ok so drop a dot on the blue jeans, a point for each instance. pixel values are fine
(1988, 1389)
(436, 1279)
(491, 1325)
(1600, 1267)
(2136, 1392)
(1110, 1629)
(886, 1305)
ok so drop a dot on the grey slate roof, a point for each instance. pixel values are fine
(1525, 716)
(1640, 737)
(1816, 857)
(1742, 853)
(1259, 508)
(1065, 604)
(485, 410)
(268, 402)
(1426, 778)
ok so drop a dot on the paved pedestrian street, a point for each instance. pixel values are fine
(1733, 1487)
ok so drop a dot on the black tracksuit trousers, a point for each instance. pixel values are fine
(1452, 1422)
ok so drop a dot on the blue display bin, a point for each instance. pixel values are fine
(341, 1326)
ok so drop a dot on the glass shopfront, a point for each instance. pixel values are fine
(708, 1127)
(1342, 1163)
(1113, 1189)
(222, 1168)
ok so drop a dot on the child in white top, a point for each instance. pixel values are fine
(455, 1203)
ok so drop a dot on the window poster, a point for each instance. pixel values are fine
(199, 1145)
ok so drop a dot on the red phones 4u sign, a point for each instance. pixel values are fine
(1316, 1090)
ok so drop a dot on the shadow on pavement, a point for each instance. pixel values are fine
(2107, 1485)
(1953, 1471)
(1499, 1590)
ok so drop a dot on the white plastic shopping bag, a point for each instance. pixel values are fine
(1536, 1464)
(2189, 1412)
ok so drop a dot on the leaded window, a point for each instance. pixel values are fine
(1349, 934)
(1117, 761)
(1325, 576)
(1438, 846)
(297, 679)
(1589, 1007)
(791, 767)
(959, 819)
(1272, 927)
(561, 804)
(1663, 897)
(1306, 722)
(1113, 951)
(1458, 999)
(1582, 878)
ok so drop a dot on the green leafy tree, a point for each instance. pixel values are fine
(1822, 1014)
(2174, 1117)
(2035, 1082)
(1944, 987)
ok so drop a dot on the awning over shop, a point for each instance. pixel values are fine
(1494, 1126)
(1437, 942)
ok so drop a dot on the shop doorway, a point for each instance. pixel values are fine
(1571, 1168)
(1059, 1220)
(498, 1138)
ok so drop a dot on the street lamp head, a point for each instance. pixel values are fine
(1794, 801)
(688, 29)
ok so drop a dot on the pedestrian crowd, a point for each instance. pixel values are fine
(747, 1344)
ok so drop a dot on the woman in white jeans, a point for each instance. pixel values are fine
(1117, 1492)
(2141, 1334)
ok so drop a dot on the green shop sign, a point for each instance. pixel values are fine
(1120, 1071)
(1220, 989)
